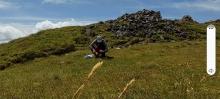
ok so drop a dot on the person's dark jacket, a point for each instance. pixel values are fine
(97, 46)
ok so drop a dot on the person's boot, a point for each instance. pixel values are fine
(96, 55)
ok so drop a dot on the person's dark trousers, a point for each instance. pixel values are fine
(100, 55)
(103, 54)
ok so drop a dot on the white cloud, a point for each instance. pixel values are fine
(4, 4)
(9, 33)
(13, 31)
(55, 1)
(51, 25)
(67, 1)
(211, 5)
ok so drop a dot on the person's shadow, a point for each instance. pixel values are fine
(107, 57)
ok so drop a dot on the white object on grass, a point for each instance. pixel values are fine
(89, 56)
(211, 49)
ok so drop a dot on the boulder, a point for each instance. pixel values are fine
(187, 18)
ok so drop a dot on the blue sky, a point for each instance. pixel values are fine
(27, 15)
(35, 10)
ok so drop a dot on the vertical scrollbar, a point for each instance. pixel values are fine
(211, 49)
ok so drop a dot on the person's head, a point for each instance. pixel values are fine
(99, 39)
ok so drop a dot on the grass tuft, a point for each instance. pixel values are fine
(126, 87)
(95, 67)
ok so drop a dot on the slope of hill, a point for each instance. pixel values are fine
(167, 58)
(162, 70)
(140, 27)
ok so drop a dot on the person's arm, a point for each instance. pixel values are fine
(92, 44)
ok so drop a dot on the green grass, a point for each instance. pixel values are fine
(44, 43)
(50, 64)
(162, 70)
(68, 39)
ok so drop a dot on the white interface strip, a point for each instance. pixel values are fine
(211, 49)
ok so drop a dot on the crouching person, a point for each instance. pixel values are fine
(99, 47)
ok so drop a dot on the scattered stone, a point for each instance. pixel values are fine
(117, 48)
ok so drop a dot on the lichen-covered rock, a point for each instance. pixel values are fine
(150, 25)
(136, 24)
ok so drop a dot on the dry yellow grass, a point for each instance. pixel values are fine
(78, 90)
(98, 65)
(126, 87)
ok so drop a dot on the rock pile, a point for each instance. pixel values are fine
(133, 24)
(148, 24)
(187, 18)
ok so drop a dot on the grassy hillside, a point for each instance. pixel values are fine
(141, 27)
(42, 44)
(68, 39)
(50, 63)
(171, 70)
